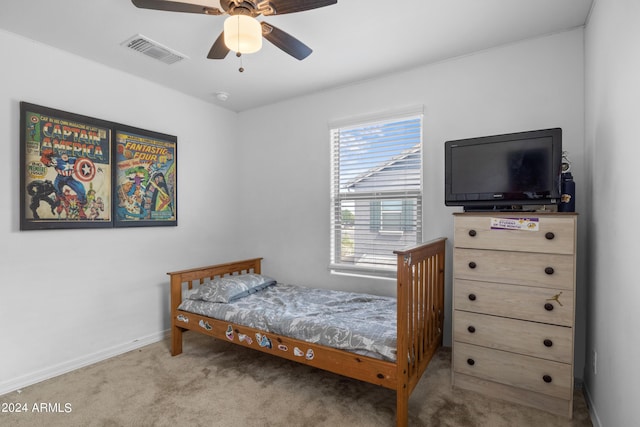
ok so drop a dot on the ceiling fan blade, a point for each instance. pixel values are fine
(289, 6)
(176, 6)
(286, 42)
(219, 50)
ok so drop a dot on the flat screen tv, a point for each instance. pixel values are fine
(504, 172)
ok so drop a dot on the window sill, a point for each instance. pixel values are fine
(363, 273)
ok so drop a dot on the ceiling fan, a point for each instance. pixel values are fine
(245, 12)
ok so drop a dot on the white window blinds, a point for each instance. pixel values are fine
(376, 193)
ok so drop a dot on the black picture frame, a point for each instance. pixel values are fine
(65, 169)
(144, 178)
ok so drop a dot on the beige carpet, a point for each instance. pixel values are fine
(215, 383)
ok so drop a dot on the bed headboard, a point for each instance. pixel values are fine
(186, 279)
(202, 273)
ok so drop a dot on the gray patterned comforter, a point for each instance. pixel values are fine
(359, 323)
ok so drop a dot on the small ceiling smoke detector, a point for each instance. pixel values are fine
(153, 49)
(222, 96)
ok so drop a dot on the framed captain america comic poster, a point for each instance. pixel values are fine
(145, 178)
(65, 170)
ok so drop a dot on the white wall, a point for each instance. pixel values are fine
(70, 297)
(285, 151)
(613, 149)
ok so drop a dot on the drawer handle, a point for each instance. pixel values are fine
(549, 236)
(471, 362)
(548, 306)
(472, 233)
(548, 343)
(471, 329)
(472, 264)
(472, 297)
(549, 270)
(547, 378)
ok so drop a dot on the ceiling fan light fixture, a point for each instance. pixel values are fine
(242, 34)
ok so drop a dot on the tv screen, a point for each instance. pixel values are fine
(504, 172)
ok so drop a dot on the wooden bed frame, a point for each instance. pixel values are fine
(420, 294)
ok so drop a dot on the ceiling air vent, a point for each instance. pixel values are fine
(153, 49)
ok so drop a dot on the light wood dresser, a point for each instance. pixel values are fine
(513, 307)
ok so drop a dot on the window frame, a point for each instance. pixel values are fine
(409, 223)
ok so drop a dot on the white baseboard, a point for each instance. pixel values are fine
(592, 409)
(62, 368)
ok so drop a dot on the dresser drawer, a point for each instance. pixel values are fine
(524, 268)
(546, 305)
(549, 342)
(525, 372)
(554, 234)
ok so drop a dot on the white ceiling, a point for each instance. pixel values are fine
(352, 40)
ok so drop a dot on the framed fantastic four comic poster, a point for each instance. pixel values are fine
(145, 178)
(65, 170)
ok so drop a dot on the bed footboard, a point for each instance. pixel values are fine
(420, 316)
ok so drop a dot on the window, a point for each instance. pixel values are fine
(376, 193)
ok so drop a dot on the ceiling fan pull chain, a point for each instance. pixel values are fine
(238, 53)
(241, 69)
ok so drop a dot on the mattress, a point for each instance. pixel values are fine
(360, 323)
